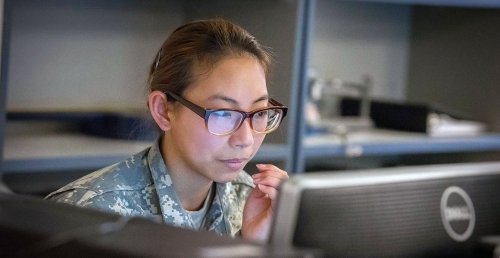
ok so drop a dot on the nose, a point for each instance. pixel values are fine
(243, 136)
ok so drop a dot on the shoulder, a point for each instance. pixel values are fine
(130, 174)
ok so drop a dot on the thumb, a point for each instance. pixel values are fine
(257, 193)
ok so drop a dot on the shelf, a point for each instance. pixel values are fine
(74, 151)
(64, 151)
(385, 142)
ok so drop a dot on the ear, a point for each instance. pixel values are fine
(160, 109)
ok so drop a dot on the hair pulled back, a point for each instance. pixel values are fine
(201, 43)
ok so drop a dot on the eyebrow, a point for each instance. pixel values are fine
(233, 101)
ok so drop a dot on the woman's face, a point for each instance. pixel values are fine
(235, 83)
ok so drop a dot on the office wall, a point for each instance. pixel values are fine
(67, 55)
(351, 39)
(455, 61)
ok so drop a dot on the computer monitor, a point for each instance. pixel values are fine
(34, 227)
(421, 211)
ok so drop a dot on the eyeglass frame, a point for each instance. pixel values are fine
(206, 112)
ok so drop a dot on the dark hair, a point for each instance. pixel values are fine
(201, 43)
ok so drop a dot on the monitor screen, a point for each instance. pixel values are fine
(421, 211)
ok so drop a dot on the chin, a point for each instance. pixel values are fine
(231, 176)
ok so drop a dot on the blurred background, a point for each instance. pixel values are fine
(368, 83)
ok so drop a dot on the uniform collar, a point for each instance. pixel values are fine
(170, 205)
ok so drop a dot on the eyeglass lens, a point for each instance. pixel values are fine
(226, 121)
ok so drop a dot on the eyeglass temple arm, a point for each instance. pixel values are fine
(197, 109)
(278, 104)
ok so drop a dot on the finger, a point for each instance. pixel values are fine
(270, 170)
(257, 193)
(269, 167)
(270, 192)
(269, 181)
(274, 181)
(272, 176)
(269, 174)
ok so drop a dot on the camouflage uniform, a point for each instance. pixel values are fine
(141, 186)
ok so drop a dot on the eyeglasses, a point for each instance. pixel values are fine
(226, 121)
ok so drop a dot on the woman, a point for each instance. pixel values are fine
(209, 98)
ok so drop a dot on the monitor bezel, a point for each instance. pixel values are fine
(285, 217)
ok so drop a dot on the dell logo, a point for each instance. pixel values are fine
(457, 213)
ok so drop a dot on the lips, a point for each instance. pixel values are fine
(235, 164)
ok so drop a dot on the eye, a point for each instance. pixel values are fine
(263, 113)
(222, 114)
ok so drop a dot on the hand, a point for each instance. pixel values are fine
(259, 207)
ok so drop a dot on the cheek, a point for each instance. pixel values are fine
(258, 139)
(189, 129)
(208, 144)
(201, 143)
